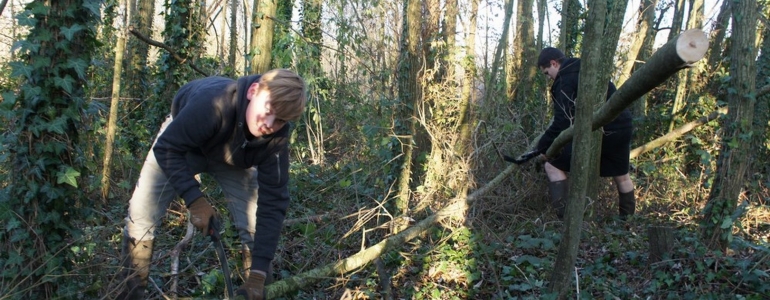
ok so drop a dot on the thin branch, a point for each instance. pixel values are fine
(152, 42)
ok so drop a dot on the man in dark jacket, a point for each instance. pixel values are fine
(235, 130)
(616, 139)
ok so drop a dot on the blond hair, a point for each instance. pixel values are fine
(287, 93)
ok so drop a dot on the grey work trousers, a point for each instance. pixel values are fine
(153, 194)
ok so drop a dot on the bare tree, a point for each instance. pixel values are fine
(262, 25)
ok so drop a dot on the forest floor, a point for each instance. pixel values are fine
(503, 248)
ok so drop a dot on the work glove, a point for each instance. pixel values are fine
(200, 214)
(253, 289)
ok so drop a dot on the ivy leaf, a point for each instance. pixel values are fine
(21, 69)
(94, 6)
(726, 223)
(66, 83)
(79, 66)
(68, 176)
(69, 32)
(9, 99)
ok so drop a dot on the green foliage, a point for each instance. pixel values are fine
(42, 242)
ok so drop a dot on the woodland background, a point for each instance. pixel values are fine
(399, 189)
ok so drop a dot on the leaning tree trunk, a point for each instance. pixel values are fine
(593, 80)
(733, 161)
(675, 55)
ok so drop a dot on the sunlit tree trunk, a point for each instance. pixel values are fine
(734, 157)
(410, 96)
(262, 31)
(527, 54)
(598, 47)
(468, 63)
(684, 86)
(112, 123)
(542, 7)
(643, 30)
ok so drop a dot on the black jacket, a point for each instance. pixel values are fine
(564, 91)
(208, 119)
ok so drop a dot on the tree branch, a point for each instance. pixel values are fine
(152, 42)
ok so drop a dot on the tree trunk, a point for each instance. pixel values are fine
(684, 80)
(734, 157)
(676, 22)
(594, 76)
(411, 98)
(491, 82)
(718, 34)
(465, 122)
(661, 241)
(643, 29)
(570, 26)
(262, 30)
(233, 35)
(689, 47)
(112, 122)
(542, 7)
(762, 106)
(525, 44)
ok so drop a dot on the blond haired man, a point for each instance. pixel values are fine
(238, 132)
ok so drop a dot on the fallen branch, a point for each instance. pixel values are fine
(676, 133)
(315, 219)
(163, 46)
(363, 257)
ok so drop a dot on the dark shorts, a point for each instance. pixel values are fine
(616, 149)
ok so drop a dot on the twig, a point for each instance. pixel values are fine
(152, 42)
(316, 218)
(175, 256)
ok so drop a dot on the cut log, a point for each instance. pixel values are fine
(661, 241)
(454, 208)
(679, 53)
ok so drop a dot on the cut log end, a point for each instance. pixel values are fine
(691, 45)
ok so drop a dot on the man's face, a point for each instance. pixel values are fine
(551, 70)
(260, 117)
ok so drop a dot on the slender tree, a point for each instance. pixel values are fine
(644, 28)
(527, 54)
(570, 26)
(600, 40)
(112, 123)
(734, 158)
(231, 58)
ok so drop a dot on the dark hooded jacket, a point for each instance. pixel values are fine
(209, 120)
(564, 91)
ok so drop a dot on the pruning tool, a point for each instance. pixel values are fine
(522, 158)
(216, 238)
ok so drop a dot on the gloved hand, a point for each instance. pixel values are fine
(254, 288)
(200, 214)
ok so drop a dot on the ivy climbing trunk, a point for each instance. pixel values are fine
(570, 26)
(734, 157)
(762, 108)
(262, 31)
(409, 93)
(43, 204)
(463, 146)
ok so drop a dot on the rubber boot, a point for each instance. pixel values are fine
(558, 191)
(136, 267)
(626, 204)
